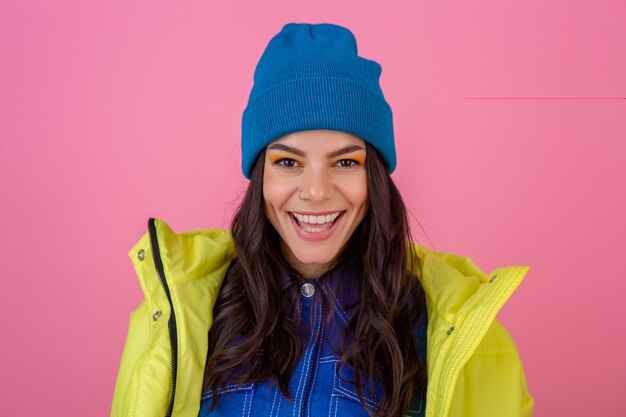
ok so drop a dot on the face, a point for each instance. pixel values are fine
(315, 193)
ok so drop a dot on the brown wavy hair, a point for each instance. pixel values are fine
(254, 339)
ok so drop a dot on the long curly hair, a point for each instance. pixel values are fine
(253, 338)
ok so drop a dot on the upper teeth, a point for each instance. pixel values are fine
(316, 219)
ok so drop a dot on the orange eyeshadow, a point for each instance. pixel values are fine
(276, 157)
(359, 159)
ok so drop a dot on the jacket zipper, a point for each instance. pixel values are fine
(171, 324)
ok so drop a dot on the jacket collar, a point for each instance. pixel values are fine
(451, 282)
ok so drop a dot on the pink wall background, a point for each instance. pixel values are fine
(112, 112)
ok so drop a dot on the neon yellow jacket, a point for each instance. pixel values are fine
(474, 368)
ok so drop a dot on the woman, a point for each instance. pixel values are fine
(316, 302)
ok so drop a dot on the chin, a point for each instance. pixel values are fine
(317, 260)
(314, 257)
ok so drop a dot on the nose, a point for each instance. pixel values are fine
(316, 185)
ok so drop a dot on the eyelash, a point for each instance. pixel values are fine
(278, 162)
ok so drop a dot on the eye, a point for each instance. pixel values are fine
(286, 162)
(347, 163)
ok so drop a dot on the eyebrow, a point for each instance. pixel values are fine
(346, 149)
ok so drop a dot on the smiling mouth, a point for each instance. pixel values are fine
(316, 224)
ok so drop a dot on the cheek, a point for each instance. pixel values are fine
(357, 192)
(275, 193)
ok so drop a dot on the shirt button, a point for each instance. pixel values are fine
(307, 290)
(141, 254)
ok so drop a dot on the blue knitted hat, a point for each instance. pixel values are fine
(310, 77)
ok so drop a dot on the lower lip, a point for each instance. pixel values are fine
(315, 237)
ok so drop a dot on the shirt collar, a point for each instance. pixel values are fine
(340, 284)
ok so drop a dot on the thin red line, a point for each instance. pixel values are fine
(545, 98)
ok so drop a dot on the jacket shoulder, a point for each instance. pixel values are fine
(497, 341)
(495, 367)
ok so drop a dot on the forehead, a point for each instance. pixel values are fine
(319, 138)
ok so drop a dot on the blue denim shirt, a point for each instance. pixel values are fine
(315, 387)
